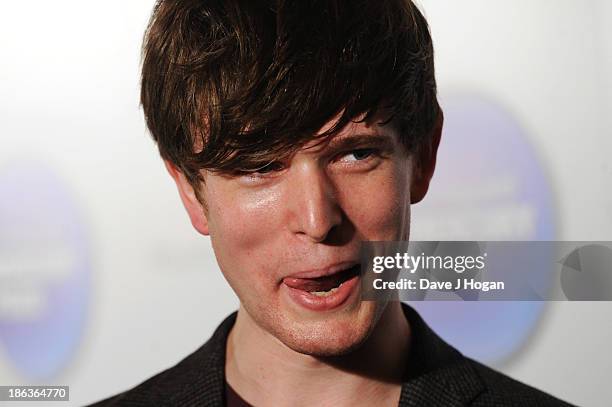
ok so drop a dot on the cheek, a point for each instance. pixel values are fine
(379, 206)
(242, 229)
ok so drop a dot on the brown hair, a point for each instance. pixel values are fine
(231, 85)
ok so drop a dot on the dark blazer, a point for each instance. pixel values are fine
(439, 376)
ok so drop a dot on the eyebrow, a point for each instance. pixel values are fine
(357, 140)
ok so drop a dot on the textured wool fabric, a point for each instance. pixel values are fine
(437, 375)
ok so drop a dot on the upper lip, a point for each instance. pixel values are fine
(324, 271)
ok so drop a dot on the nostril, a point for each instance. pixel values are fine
(320, 225)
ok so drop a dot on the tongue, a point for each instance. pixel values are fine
(320, 283)
(314, 284)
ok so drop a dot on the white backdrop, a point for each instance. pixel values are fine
(151, 291)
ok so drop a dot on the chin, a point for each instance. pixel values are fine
(335, 334)
(326, 347)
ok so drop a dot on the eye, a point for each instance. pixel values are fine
(361, 154)
(270, 167)
(260, 173)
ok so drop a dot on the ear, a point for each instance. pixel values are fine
(194, 207)
(427, 161)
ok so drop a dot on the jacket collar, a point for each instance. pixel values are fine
(438, 374)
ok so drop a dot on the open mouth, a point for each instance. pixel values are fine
(324, 286)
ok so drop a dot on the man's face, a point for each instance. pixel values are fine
(295, 228)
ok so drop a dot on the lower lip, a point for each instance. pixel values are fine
(327, 303)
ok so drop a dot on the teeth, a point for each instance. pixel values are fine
(324, 293)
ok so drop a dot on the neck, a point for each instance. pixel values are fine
(266, 372)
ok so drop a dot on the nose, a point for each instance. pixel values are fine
(314, 210)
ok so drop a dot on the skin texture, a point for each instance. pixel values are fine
(310, 212)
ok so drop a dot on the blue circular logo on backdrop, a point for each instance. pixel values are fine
(489, 185)
(44, 270)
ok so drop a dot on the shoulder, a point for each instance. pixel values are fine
(502, 390)
(149, 392)
(198, 379)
